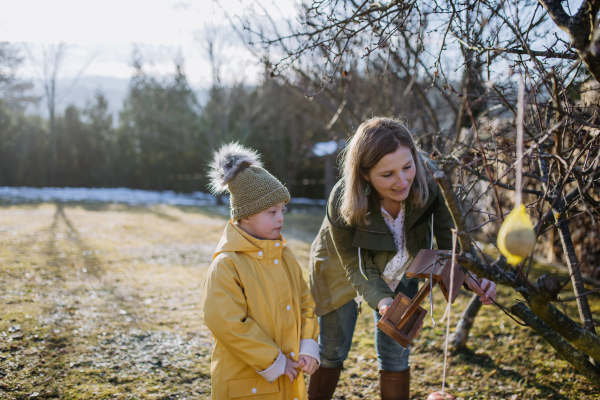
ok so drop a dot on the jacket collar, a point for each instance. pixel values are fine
(234, 239)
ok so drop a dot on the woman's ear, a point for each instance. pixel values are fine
(365, 176)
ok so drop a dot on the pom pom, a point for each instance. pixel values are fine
(516, 237)
(228, 161)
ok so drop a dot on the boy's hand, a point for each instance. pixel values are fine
(308, 364)
(384, 304)
(290, 369)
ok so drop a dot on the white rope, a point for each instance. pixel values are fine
(454, 236)
(431, 244)
(519, 171)
(431, 279)
(431, 296)
(360, 265)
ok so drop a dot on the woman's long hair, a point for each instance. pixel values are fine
(374, 139)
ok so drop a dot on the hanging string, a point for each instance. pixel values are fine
(431, 295)
(454, 236)
(520, 115)
(431, 278)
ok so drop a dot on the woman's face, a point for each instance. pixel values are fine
(392, 176)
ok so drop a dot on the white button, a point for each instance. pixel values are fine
(260, 253)
(254, 390)
(277, 244)
(289, 308)
(293, 354)
(276, 261)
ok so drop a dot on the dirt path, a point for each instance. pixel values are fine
(103, 302)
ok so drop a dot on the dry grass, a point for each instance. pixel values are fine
(102, 301)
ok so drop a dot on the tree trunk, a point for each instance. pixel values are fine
(591, 62)
(466, 322)
(582, 302)
(53, 156)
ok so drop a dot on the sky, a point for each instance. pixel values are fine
(100, 38)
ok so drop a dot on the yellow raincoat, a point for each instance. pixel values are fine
(260, 311)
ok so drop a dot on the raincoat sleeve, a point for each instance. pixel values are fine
(226, 315)
(373, 289)
(442, 224)
(309, 331)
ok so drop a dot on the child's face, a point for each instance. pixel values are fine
(266, 224)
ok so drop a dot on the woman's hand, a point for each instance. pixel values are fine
(384, 304)
(290, 369)
(308, 364)
(484, 288)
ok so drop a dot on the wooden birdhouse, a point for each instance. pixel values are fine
(403, 318)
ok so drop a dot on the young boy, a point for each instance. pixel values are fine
(255, 301)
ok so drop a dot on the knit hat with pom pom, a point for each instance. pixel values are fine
(253, 189)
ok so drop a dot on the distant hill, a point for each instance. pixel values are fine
(82, 92)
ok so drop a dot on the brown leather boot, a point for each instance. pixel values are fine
(322, 383)
(394, 385)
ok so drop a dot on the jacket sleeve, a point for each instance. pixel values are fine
(309, 331)
(309, 323)
(226, 315)
(373, 289)
(442, 224)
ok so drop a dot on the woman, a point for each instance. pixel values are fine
(379, 216)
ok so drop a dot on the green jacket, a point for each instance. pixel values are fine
(335, 278)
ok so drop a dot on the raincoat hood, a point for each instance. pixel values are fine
(234, 239)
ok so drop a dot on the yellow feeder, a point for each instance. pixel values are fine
(516, 237)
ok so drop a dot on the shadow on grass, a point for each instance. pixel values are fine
(90, 261)
(97, 207)
(486, 363)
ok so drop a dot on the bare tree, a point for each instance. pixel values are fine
(460, 62)
(48, 66)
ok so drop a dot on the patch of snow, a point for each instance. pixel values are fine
(308, 202)
(104, 195)
(328, 148)
(120, 195)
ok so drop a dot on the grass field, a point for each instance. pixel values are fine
(102, 301)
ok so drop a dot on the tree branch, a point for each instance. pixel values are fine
(536, 53)
(468, 258)
(575, 357)
(574, 333)
(557, 13)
